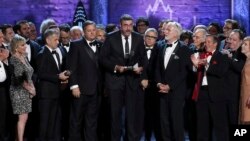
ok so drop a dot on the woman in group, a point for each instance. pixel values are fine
(245, 85)
(21, 88)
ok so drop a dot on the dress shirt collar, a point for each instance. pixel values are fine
(129, 37)
(50, 49)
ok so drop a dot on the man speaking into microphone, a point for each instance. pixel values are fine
(122, 57)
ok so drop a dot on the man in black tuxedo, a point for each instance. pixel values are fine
(50, 78)
(152, 124)
(85, 83)
(4, 90)
(173, 64)
(233, 80)
(209, 92)
(122, 57)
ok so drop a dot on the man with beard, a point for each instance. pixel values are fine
(122, 57)
(173, 62)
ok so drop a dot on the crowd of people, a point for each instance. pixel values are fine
(104, 83)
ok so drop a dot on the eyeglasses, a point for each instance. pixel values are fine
(141, 25)
(150, 37)
(227, 28)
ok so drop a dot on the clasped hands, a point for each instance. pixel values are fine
(198, 61)
(163, 88)
(64, 78)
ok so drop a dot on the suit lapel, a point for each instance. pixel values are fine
(172, 56)
(214, 57)
(51, 57)
(174, 53)
(120, 45)
(90, 52)
(133, 44)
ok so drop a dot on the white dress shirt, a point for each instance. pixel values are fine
(204, 79)
(28, 51)
(149, 52)
(129, 43)
(93, 47)
(60, 55)
(2, 72)
(54, 56)
(168, 53)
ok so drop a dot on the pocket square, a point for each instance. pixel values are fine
(235, 60)
(214, 62)
(176, 57)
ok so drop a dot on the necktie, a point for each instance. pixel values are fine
(92, 43)
(126, 48)
(57, 58)
(200, 73)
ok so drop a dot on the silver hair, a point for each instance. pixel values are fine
(151, 30)
(203, 31)
(76, 28)
(177, 27)
(46, 24)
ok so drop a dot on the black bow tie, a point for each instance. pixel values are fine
(149, 48)
(198, 50)
(2, 46)
(94, 43)
(28, 42)
(169, 45)
(54, 52)
(65, 45)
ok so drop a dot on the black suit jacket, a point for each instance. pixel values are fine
(85, 68)
(112, 54)
(175, 75)
(35, 48)
(216, 74)
(149, 66)
(47, 71)
(233, 79)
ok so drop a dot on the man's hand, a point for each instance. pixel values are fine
(138, 70)
(195, 61)
(226, 51)
(144, 84)
(62, 76)
(76, 92)
(119, 68)
(163, 88)
(203, 62)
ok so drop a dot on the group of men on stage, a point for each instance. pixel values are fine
(152, 82)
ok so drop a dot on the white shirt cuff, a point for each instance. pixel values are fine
(73, 87)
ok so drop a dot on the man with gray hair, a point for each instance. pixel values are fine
(50, 79)
(151, 99)
(173, 64)
(76, 33)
